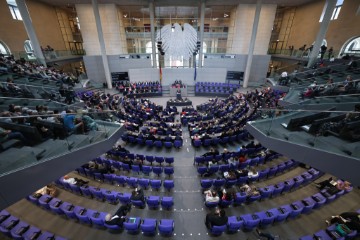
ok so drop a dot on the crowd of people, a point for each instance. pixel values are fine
(128, 88)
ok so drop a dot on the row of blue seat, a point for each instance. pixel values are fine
(328, 234)
(141, 157)
(151, 143)
(264, 218)
(103, 194)
(95, 218)
(220, 140)
(270, 190)
(15, 228)
(224, 157)
(266, 173)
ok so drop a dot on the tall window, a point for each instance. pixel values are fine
(28, 47)
(336, 11)
(14, 10)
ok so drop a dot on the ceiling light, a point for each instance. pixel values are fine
(226, 15)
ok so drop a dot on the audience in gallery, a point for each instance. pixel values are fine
(178, 84)
(24, 68)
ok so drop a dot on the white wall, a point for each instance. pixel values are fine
(186, 75)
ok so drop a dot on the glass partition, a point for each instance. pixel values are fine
(327, 130)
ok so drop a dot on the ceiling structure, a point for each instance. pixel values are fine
(178, 2)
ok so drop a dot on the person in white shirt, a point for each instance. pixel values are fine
(74, 181)
(211, 196)
(252, 173)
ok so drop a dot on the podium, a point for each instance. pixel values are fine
(173, 92)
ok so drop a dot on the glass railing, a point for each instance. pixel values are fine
(327, 129)
(37, 136)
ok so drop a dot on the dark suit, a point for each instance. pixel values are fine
(121, 213)
(215, 220)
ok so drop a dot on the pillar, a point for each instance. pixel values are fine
(30, 31)
(102, 43)
(252, 43)
(324, 25)
(152, 28)
(202, 22)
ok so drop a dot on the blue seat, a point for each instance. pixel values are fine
(319, 199)
(166, 227)
(197, 143)
(224, 140)
(218, 183)
(213, 168)
(149, 143)
(266, 192)
(218, 230)
(234, 224)
(157, 170)
(132, 225)
(138, 203)
(97, 218)
(267, 217)
(31, 233)
(68, 210)
(143, 182)
(140, 141)
(307, 177)
(169, 160)
(297, 208)
(158, 144)
(146, 169)
(206, 183)
(263, 174)
(288, 185)
(272, 171)
(207, 142)
(135, 168)
(132, 182)
(224, 168)
(55, 205)
(253, 198)
(168, 144)
(167, 202)
(120, 180)
(215, 141)
(211, 204)
(17, 231)
(283, 213)
(44, 201)
(251, 221)
(153, 201)
(82, 214)
(200, 170)
(278, 189)
(199, 160)
(124, 198)
(169, 171)
(159, 160)
(240, 198)
(148, 226)
(110, 196)
(323, 235)
(155, 184)
(109, 178)
(168, 184)
(298, 181)
(178, 143)
(150, 159)
(225, 203)
(309, 204)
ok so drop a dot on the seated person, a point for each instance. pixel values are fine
(72, 123)
(138, 194)
(252, 173)
(9, 134)
(350, 219)
(246, 189)
(119, 217)
(226, 195)
(230, 175)
(49, 189)
(218, 218)
(74, 181)
(211, 196)
(328, 183)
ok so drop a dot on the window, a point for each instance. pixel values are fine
(28, 47)
(14, 10)
(336, 11)
(4, 49)
(351, 47)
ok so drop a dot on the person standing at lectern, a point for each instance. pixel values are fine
(178, 94)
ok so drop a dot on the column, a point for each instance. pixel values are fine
(202, 20)
(328, 11)
(102, 43)
(152, 27)
(252, 43)
(30, 31)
